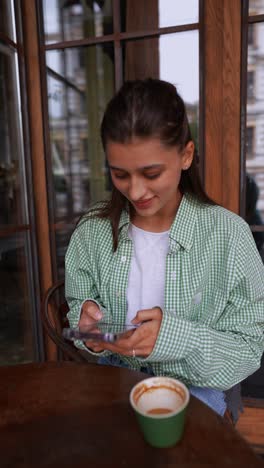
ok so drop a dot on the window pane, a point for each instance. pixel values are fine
(7, 18)
(177, 13)
(173, 58)
(256, 7)
(62, 241)
(12, 209)
(16, 306)
(255, 135)
(151, 14)
(80, 83)
(65, 21)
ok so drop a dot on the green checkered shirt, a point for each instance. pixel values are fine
(211, 333)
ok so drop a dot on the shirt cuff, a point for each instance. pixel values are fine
(172, 341)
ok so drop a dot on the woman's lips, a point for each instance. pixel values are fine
(143, 204)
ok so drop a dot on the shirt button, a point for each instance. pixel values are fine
(118, 293)
(123, 259)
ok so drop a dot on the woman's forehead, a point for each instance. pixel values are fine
(148, 152)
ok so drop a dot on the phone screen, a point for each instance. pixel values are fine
(100, 331)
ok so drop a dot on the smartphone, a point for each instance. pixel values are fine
(99, 331)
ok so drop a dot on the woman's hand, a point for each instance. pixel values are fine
(90, 314)
(142, 341)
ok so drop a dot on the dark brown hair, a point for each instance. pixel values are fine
(145, 109)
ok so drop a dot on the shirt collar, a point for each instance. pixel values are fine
(182, 229)
(124, 225)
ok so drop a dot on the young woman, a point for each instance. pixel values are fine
(161, 254)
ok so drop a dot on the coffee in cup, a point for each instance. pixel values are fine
(160, 405)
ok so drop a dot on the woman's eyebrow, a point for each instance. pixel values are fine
(152, 166)
(115, 167)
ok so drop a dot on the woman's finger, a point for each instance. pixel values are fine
(124, 346)
(143, 338)
(138, 352)
(148, 314)
(94, 346)
(92, 309)
(90, 313)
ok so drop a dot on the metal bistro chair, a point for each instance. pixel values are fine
(54, 310)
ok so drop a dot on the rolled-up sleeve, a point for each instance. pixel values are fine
(222, 353)
(80, 284)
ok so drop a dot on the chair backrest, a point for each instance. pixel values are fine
(54, 310)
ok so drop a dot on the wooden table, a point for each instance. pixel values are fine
(78, 415)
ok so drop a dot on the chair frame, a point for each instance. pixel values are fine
(47, 308)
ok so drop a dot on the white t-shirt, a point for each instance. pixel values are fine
(146, 287)
(146, 281)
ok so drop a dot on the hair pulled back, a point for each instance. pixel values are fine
(147, 109)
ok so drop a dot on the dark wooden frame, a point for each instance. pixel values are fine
(37, 155)
(6, 40)
(28, 229)
(222, 94)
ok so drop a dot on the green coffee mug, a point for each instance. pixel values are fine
(160, 405)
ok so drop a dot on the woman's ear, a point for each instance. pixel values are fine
(187, 156)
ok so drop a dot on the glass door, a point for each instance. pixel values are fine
(20, 337)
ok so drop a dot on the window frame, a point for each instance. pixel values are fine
(117, 38)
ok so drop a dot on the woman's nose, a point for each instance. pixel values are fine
(136, 189)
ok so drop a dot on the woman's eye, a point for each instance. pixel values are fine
(147, 176)
(120, 176)
(152, 176)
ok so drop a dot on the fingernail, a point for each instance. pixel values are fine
(98, 315)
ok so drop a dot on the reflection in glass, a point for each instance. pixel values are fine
(12, 209)
(253, 215)
(80, 83)
(255, 134)
(173, 58)
(71, 20)
(16, 334)
(7, 18)
(256, 7)
(62, 241)
(151, 14)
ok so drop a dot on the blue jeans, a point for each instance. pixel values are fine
(115, 360)
(212, 397)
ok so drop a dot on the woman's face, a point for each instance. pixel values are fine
(148, 174)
